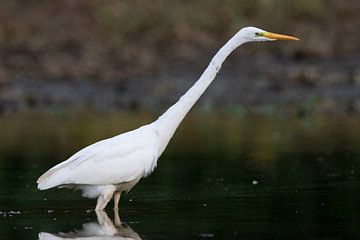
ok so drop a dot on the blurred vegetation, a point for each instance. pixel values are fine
(116, 39)
(127, 42)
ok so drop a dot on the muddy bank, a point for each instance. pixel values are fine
(129, 55)
(245, 85)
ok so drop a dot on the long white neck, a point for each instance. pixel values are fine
(167, 123)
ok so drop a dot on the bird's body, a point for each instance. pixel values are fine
(111, 166)
(108, 166)
(84, 166)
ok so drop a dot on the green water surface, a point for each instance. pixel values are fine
(222, 177)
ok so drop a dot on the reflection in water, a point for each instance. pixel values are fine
(103, 229)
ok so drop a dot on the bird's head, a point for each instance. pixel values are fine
(253, 34)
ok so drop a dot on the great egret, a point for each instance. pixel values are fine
(111, 166)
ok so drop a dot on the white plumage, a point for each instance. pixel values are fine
(111, 166)
(131, 155)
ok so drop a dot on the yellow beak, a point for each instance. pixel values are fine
(276, 36)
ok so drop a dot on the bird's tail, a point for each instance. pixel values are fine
(49, 179)
(48, 236)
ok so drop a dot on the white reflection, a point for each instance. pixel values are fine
(103, 229)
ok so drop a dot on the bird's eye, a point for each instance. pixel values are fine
(257, 34)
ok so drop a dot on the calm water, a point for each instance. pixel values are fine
(221, 177)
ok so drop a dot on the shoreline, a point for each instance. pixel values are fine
(261, 84)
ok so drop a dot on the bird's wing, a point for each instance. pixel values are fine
(114, 160)
(116, 164)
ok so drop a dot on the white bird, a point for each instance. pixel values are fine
(111, 166)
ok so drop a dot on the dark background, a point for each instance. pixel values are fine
(142, 55)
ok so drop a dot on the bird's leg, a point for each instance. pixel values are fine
(106, 223)
(101, 217)
(104, 198)
(100, 203)
(116, 200)
(117, 221)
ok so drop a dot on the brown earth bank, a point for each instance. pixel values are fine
(245, 85)
(120, 55)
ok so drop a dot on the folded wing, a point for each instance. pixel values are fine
(115, 160)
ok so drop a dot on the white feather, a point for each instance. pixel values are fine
(130, 155)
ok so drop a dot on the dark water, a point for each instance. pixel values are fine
(222, 177)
